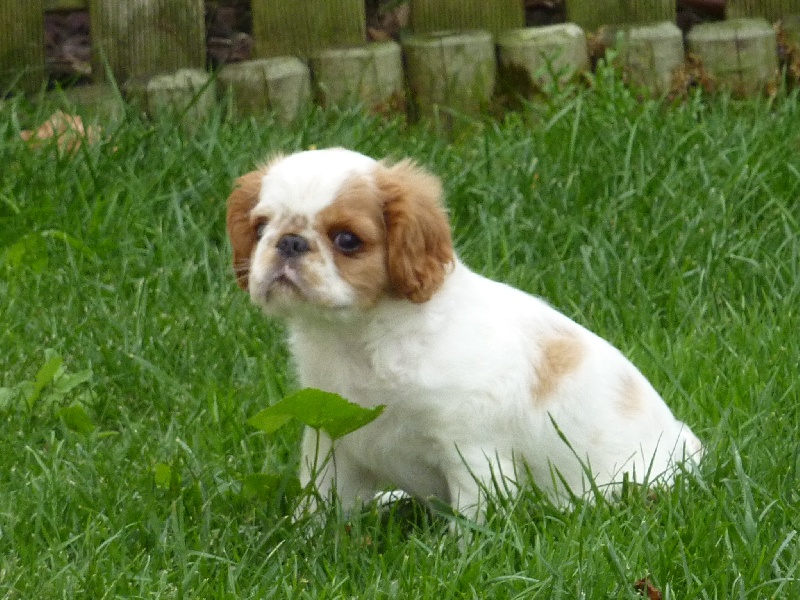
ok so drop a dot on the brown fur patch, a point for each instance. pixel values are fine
(357, 209)
(560, 356)
(241, 229)
(419, 247)
(630, 402)
(241, 223)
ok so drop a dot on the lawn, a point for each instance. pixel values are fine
(130, 362)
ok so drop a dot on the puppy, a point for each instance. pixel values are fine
(482, 383)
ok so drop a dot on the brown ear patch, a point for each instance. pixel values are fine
(419, 247)
(241, 229)
(560, 356)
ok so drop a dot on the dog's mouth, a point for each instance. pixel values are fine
(284, 277)
(291, 287)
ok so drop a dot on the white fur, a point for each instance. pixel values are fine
(456, 375)
(306, 182)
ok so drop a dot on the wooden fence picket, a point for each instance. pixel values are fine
(771, 10)
(146, 37)
(442, 15)
(21, 44)
(299, 27)
(66, 4)
(591, 14)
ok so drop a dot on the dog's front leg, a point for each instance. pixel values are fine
(477, 476)
(328, 473)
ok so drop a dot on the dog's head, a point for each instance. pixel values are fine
(336, 230)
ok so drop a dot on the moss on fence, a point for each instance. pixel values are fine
(771, 10)
(147, 37)
(21, 45)
(591, 14)
(298, 27)
(66, 4)
(437, 15)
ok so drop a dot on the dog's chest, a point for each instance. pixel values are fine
(362, 369)
(404, 448)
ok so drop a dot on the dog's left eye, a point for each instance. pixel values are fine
(347, 242)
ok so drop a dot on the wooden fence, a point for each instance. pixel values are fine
(138, 40)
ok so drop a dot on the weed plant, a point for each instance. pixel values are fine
(130, 362)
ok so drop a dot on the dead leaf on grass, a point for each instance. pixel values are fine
(68, 130)
(691, 74)
(647, 589)
(788, 53)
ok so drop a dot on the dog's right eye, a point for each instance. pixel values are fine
(347, 242)
(260, 227)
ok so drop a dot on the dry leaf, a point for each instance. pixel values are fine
(691, 74)
(647, 589)
(67, 129)
(377, 35)
(788, 54)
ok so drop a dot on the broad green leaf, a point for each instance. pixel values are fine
(315, 408)
(162, 473)
(48, 370)
(269, 421)
(77, 419)
(66, 382)
(29, 250)
(6, 396)
(44, 376)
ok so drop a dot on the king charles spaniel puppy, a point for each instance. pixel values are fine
(481, 382)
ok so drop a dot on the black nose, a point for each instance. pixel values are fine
(291, 245)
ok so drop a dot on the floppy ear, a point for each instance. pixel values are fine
(419, 246)
(240, 229)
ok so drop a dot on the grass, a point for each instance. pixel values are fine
(129, 471)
